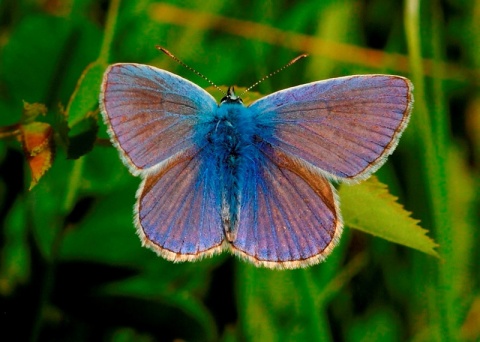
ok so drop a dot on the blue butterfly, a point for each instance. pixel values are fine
(254, 179)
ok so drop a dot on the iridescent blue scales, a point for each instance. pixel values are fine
(253, 180)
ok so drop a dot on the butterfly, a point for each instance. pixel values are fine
(254, 180)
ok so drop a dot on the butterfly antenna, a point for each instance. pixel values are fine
(169, 54)
(275, 72)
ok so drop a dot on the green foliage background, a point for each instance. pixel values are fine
(71, 267)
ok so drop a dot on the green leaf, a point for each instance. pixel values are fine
(85, 97)
(83, 125)
(369, 207)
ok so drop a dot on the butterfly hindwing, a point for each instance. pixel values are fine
(289, 215)
(151, 113)
(345, 126)
(178, 209)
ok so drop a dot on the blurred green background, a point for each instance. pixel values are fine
(71, 266)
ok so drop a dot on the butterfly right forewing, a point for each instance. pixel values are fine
(345, 126)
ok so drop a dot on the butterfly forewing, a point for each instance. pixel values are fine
(345, 126)
(151, 113)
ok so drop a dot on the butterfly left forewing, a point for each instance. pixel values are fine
(289, 215)
(151, 114)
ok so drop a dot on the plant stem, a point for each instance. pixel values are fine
(109, 31)
(433, 156)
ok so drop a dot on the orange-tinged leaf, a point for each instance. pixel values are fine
(37, 142)
(35, 137)
(32, 110)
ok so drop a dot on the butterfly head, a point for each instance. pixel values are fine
(231, 97)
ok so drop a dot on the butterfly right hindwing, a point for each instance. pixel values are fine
(289, 214)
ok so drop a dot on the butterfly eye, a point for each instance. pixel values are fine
(231, 97)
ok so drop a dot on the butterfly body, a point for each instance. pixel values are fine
(249, 179)
(227, 141)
